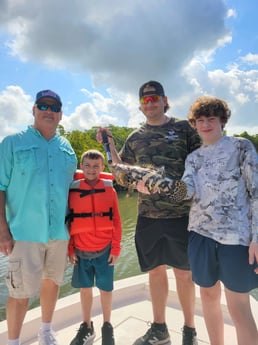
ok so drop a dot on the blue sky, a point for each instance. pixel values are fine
(96, 54)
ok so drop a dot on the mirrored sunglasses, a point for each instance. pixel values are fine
(56, 108)
(152, 99)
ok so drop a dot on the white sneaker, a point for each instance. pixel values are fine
(47, 337)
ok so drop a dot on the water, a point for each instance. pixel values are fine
(126, 266)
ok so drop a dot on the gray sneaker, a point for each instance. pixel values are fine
(189, 336)
(85, 335)
(154, 337)
(47, 337)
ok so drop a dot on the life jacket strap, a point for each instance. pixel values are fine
(84, 192)
(73, 215)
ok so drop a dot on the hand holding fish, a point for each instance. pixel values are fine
(105, 137)
(99, 135)
(141, 188)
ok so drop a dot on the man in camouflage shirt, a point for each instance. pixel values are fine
(161, 232)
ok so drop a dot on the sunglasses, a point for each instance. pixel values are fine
(152, 99)
(56, 108)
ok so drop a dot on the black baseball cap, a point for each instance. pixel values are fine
(154, 84)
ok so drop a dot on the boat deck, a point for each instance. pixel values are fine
(130, 316)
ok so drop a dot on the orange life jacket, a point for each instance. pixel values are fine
(90, 207)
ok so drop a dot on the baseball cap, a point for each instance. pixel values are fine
(154, 84)
(48, 94)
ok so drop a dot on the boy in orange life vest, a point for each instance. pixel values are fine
(94, 247)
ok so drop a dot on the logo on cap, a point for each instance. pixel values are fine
(48, 94)
(158, 89)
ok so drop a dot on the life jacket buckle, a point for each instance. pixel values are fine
(100, 214)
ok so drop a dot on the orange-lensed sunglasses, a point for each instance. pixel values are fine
(151, 98)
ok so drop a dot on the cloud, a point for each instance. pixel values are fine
(238, 87)
(15, 110)
(97, 112)
(120, 45)
(250, 59)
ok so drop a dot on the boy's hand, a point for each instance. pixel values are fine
(253, 255)
(73, 259)
(112, 259)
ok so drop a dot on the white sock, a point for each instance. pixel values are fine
(45, 326)
(14, 342)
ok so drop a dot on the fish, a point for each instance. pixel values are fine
(155, 180)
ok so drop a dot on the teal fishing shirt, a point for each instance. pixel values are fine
(36, 174)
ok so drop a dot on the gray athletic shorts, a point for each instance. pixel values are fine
(162, 242)
(30, 262)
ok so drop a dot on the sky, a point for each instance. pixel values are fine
(96, 55)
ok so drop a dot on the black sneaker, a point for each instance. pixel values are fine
(154, 337)
(107, 334)
(189, 336)
(84, 336)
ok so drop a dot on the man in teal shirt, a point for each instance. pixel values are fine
(37, 167)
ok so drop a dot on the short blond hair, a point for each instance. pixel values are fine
(92, 154)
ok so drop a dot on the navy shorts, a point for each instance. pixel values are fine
(211, 261)
(97, 269)
(162, 242)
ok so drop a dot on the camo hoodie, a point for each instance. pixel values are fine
(161, 146)
(223, 180)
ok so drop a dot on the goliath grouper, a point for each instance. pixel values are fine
(154, 179)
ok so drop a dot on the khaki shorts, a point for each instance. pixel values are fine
(30, 262)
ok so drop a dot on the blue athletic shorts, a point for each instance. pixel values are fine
(211, 261)
(89, 270)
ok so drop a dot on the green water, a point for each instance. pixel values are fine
(126, 266)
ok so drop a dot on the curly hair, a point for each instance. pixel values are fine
(209, 106)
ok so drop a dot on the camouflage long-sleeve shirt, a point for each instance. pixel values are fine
(161, 146)
(223, 180)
